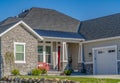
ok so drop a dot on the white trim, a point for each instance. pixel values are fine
(94, 64)
(93, 60)
(118, 60)
(63, 54)
(102, 39)
(44, 44)
(65, 50)
(75, 39)
(61, 60)
(24, 24)
(19, 43)
(105, 47)
(44, 58)
(88, 62)
(56, 53)
(81, 52)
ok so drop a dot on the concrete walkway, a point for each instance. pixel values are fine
(95, 76)
(98, 76)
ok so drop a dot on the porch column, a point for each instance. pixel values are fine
(80, 54)
(44, 52)
(80, 58)
(65, 55)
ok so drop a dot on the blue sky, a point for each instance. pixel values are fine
(79, 9)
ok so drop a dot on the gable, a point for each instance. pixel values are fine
(6, 28)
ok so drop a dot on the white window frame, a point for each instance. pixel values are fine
(44, 44)
(39, 54)
(19, 43)
(51, 52)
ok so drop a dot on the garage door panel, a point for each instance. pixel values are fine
(105, 60)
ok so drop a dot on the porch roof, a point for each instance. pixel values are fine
(59, 34)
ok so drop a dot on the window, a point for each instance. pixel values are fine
(40, 53)
(19, 52)
(100, 52)
(111, 51)
(48, 54)
(45, 52)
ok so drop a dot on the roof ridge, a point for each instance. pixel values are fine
(101, 17)
(26, 12)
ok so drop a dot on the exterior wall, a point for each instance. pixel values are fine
(19, 34)
(73, 51)
(88, 57)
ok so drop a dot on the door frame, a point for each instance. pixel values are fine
(58, 44)
(93, 52)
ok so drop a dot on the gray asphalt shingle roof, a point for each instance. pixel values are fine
(104, 27)
(51, 20)
(5, 27)
(59, 34)
(46, 19)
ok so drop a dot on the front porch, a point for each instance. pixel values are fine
(58, 53)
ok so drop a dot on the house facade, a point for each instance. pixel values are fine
(45, 35)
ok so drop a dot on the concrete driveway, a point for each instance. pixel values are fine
(96, 76)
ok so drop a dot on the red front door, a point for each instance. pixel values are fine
(58, 58)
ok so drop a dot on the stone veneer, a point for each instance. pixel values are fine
(19, 34)
(79, 67)
(88, 67)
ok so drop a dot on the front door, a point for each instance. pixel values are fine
(59, 53)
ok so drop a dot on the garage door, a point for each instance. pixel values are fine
(105, 60)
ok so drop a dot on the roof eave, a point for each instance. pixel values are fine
(62, 39)
(101, 39)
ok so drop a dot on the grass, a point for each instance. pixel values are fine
(80, 79)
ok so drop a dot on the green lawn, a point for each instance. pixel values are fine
(80, 79)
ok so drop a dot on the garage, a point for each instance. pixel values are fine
(105, 60)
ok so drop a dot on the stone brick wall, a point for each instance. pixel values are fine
(89, 68)
(79, 67)
(20, 34)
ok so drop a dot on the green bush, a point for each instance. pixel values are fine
(15, 72)
(36, 72)
(43, 70)
(67, 72)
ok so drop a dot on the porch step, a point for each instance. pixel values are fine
(55, 73)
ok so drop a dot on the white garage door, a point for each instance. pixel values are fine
(105, 60)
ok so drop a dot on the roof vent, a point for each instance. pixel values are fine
(24, 13)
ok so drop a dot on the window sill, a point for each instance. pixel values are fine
(20, 62)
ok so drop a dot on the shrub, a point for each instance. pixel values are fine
(15, 72)
(43, 70)
(67, 72)
(36, 72)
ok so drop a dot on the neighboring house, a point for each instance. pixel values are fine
(45, 35)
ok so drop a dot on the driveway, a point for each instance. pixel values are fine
(96, 76)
